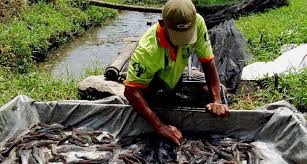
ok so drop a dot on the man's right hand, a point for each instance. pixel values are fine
(136, 99)
(170, 132)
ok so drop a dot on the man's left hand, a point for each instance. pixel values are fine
(218, 109)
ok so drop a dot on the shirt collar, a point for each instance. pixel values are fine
(164, 43)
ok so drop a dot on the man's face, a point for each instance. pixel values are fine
(180, 34)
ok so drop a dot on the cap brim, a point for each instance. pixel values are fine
(180, 38)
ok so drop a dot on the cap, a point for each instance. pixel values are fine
(179, 16)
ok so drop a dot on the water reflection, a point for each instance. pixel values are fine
(99, 45)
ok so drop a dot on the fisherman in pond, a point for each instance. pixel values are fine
(159, 60)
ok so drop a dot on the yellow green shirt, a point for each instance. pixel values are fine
(154, 56)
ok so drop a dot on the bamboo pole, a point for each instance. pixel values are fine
(124, 7)
(113, 71)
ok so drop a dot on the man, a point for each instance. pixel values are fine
(163, 53)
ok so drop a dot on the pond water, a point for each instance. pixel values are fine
(99, 46)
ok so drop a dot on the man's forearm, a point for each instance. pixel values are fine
(137, 101)
(212, 80)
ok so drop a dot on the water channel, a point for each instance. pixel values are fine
(98, 46)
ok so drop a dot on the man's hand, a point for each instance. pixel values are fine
(136, 99)
(170, 132)
(218, 109)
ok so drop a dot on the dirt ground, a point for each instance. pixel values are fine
(9, 8)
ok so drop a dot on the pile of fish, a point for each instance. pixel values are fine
(58, 144)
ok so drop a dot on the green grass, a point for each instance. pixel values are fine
(267, 32)
(43, 26)
(38, 85)
(213, 2)
(41, 85)
(291, 87)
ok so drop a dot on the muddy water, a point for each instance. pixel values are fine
(99, 46)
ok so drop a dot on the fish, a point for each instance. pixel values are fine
(24, 156)
(181, 158)
(55, 156)
(107, 147)
(37, 155)
(131, 159)
(10, 146)
(74, 148)
(2, 158)
(41, 136)
(85, 159)
(44, 143)
(37, 143)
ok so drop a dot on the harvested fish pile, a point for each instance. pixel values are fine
(211, 150)
(58, 144)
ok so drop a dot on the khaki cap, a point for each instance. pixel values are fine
(179, 17)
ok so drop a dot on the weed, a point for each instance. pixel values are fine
(95, 68)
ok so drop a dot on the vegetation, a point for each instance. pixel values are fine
(267, 32)
(291, 87)
(38, 85)
(213, 2)
(41, 85)
(43, 26)
(34, 31)
(286, 25)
